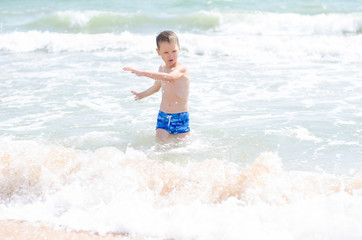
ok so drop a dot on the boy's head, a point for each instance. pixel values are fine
(167, 36)
(168, 47)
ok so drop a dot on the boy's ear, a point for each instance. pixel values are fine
(158, 51)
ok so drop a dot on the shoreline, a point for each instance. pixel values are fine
(20, 230)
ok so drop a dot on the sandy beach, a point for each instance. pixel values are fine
(19, 230)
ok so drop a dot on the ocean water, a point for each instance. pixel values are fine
(275, 150)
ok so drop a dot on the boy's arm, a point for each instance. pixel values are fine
(177, 73)
(155, 88)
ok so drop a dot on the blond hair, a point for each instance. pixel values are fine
(166, 36)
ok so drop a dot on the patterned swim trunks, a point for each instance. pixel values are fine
(174, 123)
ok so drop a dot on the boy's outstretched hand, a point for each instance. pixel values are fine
(134, 71)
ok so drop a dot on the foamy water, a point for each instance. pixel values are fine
(275, 107)
(109, 190)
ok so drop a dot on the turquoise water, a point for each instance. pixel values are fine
(276, 79)
(150, 16)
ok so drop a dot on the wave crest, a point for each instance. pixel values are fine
(103, 22)
(109, 190)
(29, 168)
(233, 22)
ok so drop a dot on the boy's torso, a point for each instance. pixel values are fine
(175, 95)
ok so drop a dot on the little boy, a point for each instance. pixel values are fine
(173, 77)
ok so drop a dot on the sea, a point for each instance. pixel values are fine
(275, 150)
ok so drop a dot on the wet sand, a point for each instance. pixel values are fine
(18, 230)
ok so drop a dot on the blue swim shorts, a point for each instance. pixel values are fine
(174, 123)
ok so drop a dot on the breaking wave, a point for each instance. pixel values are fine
(265, 23)
(109, 190)
(104, 22)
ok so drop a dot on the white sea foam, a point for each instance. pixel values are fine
(57, 42)
(113, 191)
(259, 34)
(298, 132)
(251, 48)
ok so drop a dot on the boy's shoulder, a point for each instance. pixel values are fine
(180, 66)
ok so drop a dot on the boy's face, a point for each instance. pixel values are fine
(169, 53)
